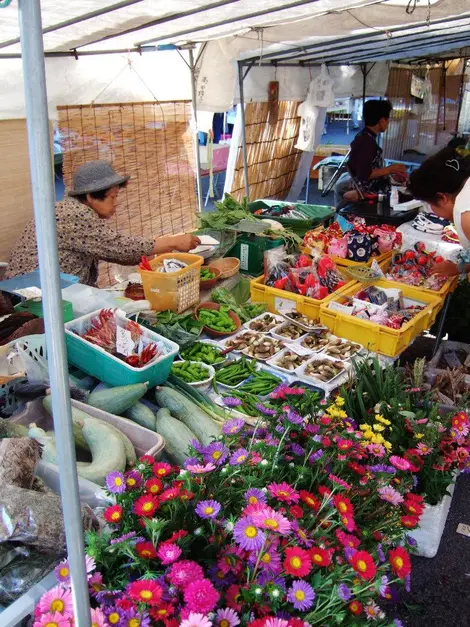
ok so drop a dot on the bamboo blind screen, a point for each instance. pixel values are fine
(272, 158)
(152, 143)
(410, 124)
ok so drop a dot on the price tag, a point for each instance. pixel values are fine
(124, 343)
(29, 292)
(244, 256)
(463, 529)
(299, 350)
(284, 304)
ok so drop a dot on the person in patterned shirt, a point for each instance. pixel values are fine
(83, 237)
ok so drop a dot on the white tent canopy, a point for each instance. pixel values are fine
(266, 32)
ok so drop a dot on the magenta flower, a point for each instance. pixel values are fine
(399, 462)
(391, 495)
(182, 573)
(133, 479)
(116, 482)
(301, 595)
(283, 492)
(58, 599)
(201, 596)
(168, 552)
(247, 535)
(208, 509)
(198, 469)
(268, 518)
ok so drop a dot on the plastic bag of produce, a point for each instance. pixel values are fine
(23, 573)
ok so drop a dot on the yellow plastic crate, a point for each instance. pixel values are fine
(375, 337)
(347, 263)
(448, 287)
(278, 299)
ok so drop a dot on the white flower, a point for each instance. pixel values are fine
(291, 465)
(229, 526)
(198, 531)
(224, 470)
(141, 466)
(275, 593)
(258, 590)
(264, 462)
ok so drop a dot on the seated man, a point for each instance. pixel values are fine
(365, 160)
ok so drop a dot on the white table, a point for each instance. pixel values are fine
(433, 242)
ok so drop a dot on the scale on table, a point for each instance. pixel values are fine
(249, 248)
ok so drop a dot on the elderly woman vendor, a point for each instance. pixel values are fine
(84, 238)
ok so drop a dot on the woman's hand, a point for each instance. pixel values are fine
(170, 243)
(446, 268)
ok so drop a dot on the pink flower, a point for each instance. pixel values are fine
(424, 449)
(226, 618)
(198, 469)
(183, 573)
(391, 495)
(268, 518)
(168, 553)
(283, 492)
(58, 599)
(196, 620)
(399, 462)
(53, 620)
(276, 622)
(98, 619)
(201, 596)
(376, 449)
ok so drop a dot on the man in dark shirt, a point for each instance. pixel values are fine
(365, 161)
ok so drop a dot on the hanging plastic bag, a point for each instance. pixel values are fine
(321, 90)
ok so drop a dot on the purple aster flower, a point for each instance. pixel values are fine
(62, 570)
(140, 619)
(380, 553)
(411, 541)
(384, 587)
(344, 592)
(247, 535)
(398, 623)
(239, 457)
(301, 595)
(266, 578)
(389, 470)
(116, 482)
(349, 551)
(197, 446)
(220, 578)
(415, 480)
(107, 597)
(312, 429)
(266, 410)
(133, 479)
(279, 429)
(408, 583)
(231, 427)
(293, 417)
(314, 457)
(216, 453)
(301, 535)
(254, 496)
(231, 401)
(191, 461)
(208, 509)
(124, 538)
(114, 615)
(296, 449)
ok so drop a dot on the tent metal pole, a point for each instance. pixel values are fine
(461, 93)
(242, 110)
(364, 82)
(42, 180)
(192, 69)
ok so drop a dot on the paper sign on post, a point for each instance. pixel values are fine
(284, 304)
(463, 529)
(124, 342)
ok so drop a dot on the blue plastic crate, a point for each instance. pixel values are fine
(98, 363)
(31, 279)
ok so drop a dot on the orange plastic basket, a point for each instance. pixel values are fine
(176, 291)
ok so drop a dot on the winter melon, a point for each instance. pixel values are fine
(119, 399)
(142, 415)
(177, 436)
(107, 451)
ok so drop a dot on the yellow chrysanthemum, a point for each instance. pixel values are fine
(384, 421)
(364, 427)
(419, 436)
(369, 435)
(387, 445)
(340, 401)
(378, 427)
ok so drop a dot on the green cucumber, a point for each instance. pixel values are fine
(189, 413)
(142, 415)
(119, 399)
(177, 436)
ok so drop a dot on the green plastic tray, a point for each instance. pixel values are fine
(314, 214)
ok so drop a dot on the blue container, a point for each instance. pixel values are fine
(31, 279)
(98, 363)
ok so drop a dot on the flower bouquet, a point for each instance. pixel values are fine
(292, 522)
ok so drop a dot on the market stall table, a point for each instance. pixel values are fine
(377, 213)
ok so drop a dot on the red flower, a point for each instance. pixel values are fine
(161, 469)
(297, 562)
(413, 456)
(232, 598)
(320, 557)
(343, 505)
(324, 491)
(145, 591)
(344, 445)
(347, 539)
(177, 535)
(325, 420)
(357, 468)
(295, 622)
(348, 522)
(185, 495)
(377, 536)
(364, 565)
(410, 522)
(145, 550)
(125, 604)
(355, 608)
(147, 459)
(400, 562)
(309, 499)
(415, 509)
(296, 511)
(169, 494)
(326, 442)
(153, 486)
(459, 421)
(146, 506)
(113, 514)
(161, 613)
(414, 497)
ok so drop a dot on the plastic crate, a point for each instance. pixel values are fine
(375, 337)
(98, 363)
(278, 300)
(31, 279)
(176, 291)
(314, 214)
(449, 286)
(348, 263)
(250, 250)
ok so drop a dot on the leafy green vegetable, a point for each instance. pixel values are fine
(244, 312)
(180, 328)
(228, 212)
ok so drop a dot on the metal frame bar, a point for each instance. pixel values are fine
(192, 69)
(241, 77)
(163, 20)
(461, 90)
(85, 53)
(348, 40)
(77, 20)
(458, 43)
(231, 20)
(42, 183)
